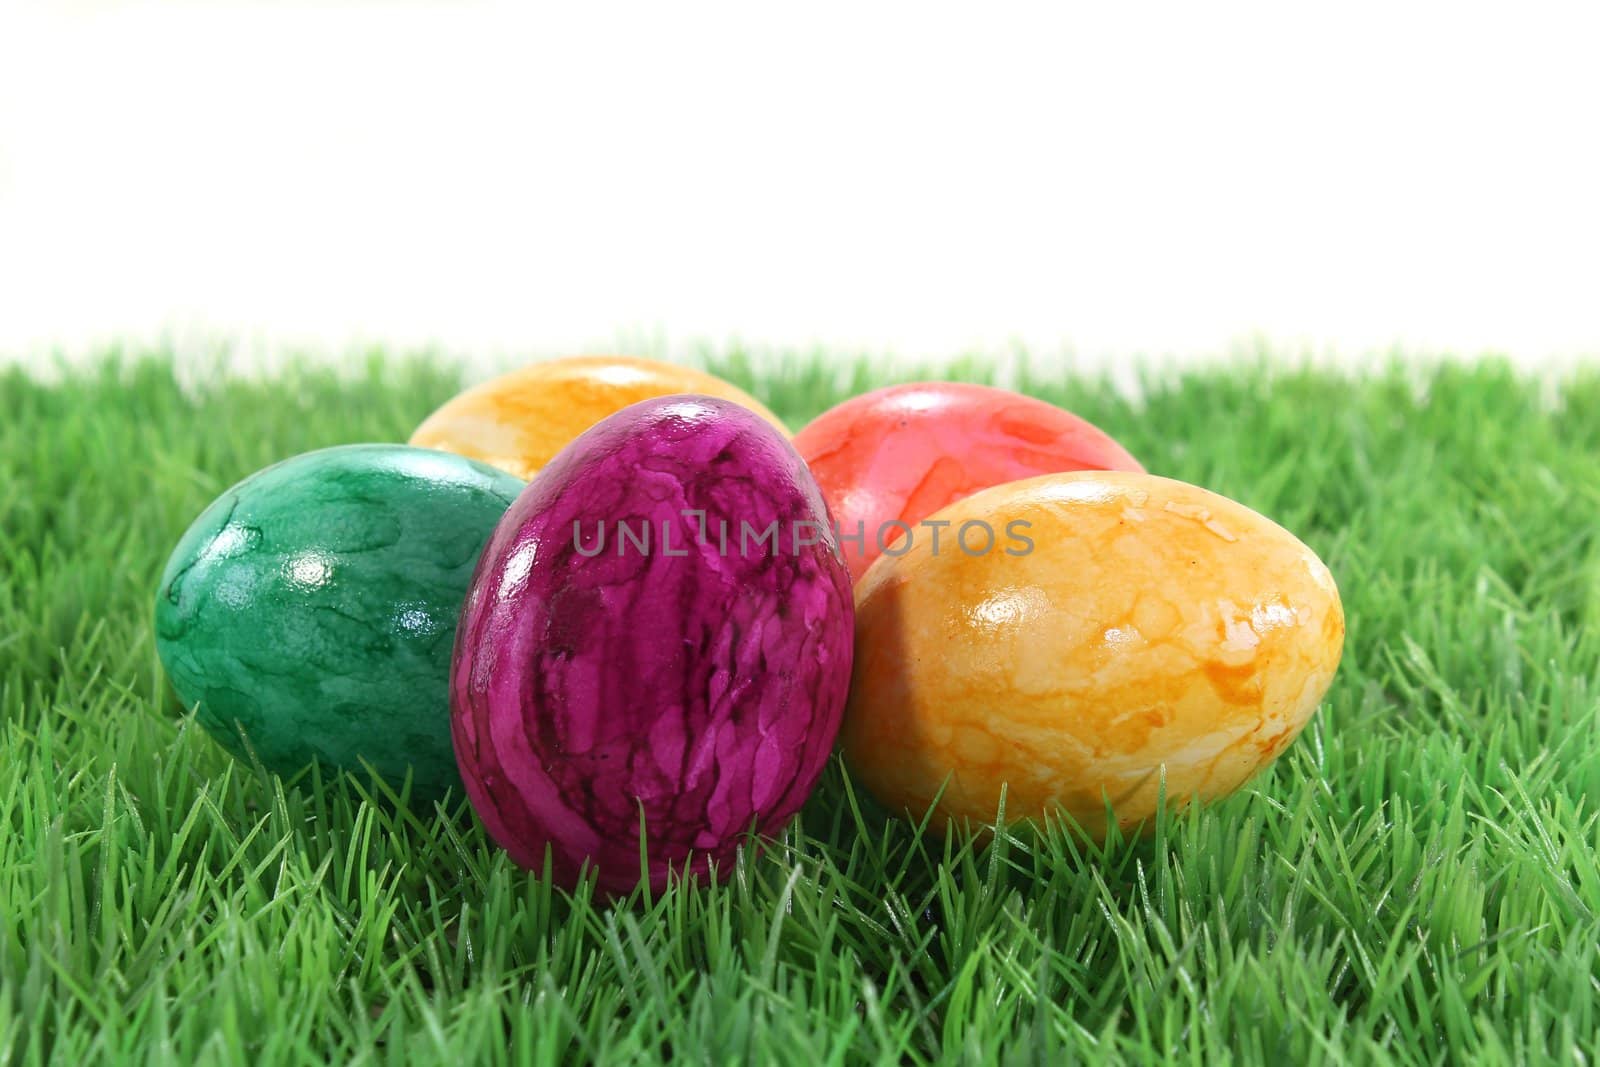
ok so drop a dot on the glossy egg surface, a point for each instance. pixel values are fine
(901, 453)
(629, 652)
(1122, 626)
(518, 421)
(313, 606)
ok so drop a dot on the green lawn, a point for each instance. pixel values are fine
(1416, 879)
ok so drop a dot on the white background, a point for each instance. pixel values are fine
(900, 179)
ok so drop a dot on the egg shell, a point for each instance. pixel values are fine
(314, 604)
(903, 452)
(518, 421)
(695, 686)
(1152, 626)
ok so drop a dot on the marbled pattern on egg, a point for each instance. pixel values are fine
(697, 688)
(518, 421)
(1152, 625)
(314, 605)
(905, 451)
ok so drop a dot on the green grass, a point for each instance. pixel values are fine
(1415, 880)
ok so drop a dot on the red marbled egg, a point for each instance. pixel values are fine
(899, 454)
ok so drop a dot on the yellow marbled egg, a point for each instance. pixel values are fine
(520, 420)
(1118, 624)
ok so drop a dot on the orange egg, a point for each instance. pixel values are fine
(1118, 628)
(520, 420)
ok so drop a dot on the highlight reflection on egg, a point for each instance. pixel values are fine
(1122, 628)
(520, 420)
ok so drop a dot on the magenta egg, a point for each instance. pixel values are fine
(658, 633)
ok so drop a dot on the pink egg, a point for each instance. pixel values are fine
(890, 458)
(657, 641)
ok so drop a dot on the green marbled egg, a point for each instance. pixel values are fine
(313, 608)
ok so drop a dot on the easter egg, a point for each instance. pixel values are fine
(1080, 638)
(890, 458)
(310, 611)
(659, 632)
(518, 421)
